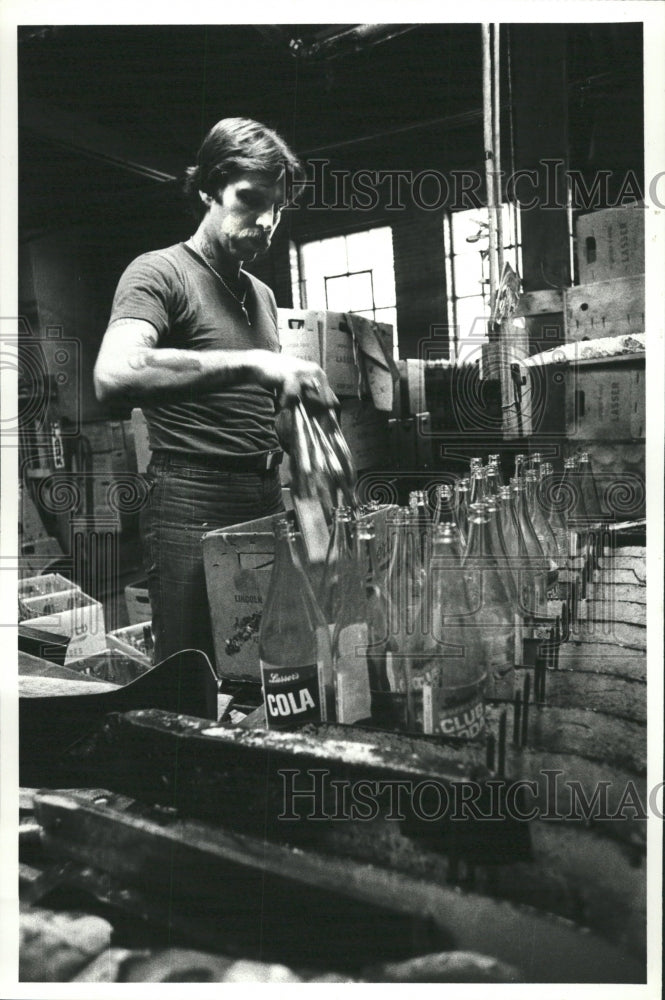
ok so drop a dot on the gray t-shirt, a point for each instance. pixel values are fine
(190, 309)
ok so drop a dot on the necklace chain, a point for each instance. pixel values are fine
(238, 299)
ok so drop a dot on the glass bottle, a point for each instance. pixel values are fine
(451, 667)
(535, 462)
(520, 461)
(376, 612)
(575, 509)
(489, 591)
(406, 596)
(492, 481)
(444, 511)
(500, 549)
(540, 523)
(529, 561)
(294, 643)
(533, 554)
(340, 552)
(591, 500)
(588, 487)
(494, 461)
(350, 640)
(477, 491)
(461, 506)
(422, 521)
(551, 504)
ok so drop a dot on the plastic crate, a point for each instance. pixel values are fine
(133, 641)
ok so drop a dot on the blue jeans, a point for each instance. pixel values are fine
(186, 500)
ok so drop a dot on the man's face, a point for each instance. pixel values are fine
(244, 215)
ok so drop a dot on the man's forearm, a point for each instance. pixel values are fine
(148, 375)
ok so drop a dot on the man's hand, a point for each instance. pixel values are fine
(294, 378)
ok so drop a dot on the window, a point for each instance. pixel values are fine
(352, 273)
(466, 237)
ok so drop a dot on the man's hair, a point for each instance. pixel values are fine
(234, 146)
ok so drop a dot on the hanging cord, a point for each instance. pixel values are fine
(514, 207)
(496, 140)
(488, 156)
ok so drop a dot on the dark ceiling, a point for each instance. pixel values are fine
(106, 109)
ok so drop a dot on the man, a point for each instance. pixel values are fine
(192, 340)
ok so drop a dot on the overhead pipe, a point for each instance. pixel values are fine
(354, 39)
(488, 137)
(496, 137)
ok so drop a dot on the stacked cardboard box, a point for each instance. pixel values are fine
(238, 562)
(609, 301)
(58, 605)
(357, 357)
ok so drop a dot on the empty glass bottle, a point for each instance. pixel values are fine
(534, 558)
(383, 710)
(552, 506)
(422, 521)
(340, 552)
(540, 523)
(450, 669)
(294, 643)
(461, 505)
(444, 511)
(350, 641)
(406, 595)
(494, 462)
(488, 587)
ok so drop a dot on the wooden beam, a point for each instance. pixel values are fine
(82, 134)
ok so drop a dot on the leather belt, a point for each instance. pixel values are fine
(262, 461)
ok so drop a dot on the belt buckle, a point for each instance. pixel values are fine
(273, 458)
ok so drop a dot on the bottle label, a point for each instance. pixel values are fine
(352, 675)
(464, 720)
(291, 694)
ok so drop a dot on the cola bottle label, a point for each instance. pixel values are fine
(461, 719)
(291, 694)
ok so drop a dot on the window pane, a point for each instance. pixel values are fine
(350, 293)
(371, 250)
(468, 274)
(472, 318)
(387, 316)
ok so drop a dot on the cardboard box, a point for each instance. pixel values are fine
(238, 563)
(379, 372)
(71, 613)
(412, 443)
(131, 640)
(605, 399)
(37, 555)
(341, 356)
(610, 243)
(605, 309)
(355, 353)
(112, 665)
(301, 333)
(137, 600)
(365, 430)
(47, 583)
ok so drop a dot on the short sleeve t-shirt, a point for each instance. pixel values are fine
(189, 307)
